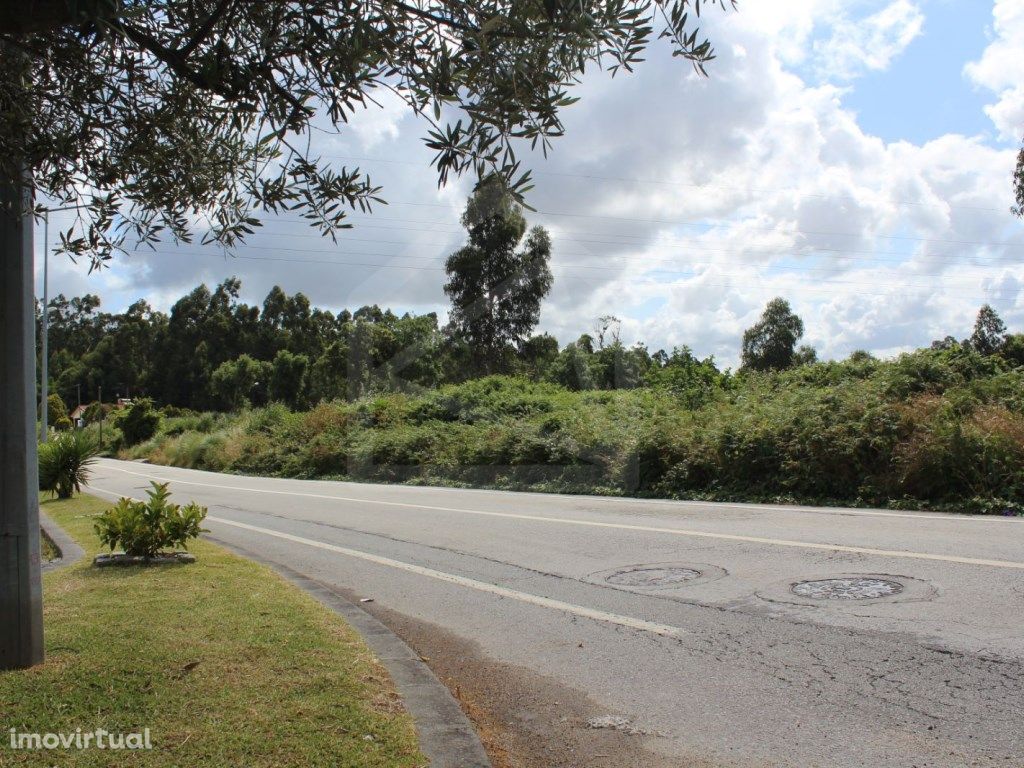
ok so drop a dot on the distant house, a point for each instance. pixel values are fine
(77, 416)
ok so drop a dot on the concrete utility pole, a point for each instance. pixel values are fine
(21, 596)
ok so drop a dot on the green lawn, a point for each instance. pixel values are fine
(224, 662)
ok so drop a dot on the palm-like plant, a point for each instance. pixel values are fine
(64, 463)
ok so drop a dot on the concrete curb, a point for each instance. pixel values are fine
(446, 735)
(70, 551)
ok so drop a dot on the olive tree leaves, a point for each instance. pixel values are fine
(186, 119)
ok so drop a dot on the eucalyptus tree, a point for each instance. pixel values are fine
(770, 344)
(191, 118)
(989, 334)
(498, 279)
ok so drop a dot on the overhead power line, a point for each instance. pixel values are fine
(648, 242)
(704, 223)
(695, 185)
(681, 262)
(709, 226)
(819, 283)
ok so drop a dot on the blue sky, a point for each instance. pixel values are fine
(925, 94)
(853, 156)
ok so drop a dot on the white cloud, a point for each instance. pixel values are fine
(1001, 69)
(870, 43)
(839, 39)
(877, 245)
(379, 121)
(682, 205)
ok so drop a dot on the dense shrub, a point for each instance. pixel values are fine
(952, 457)
(138, 422)
(93, 413)
(266, 420)
(145, 528)
(193, 422)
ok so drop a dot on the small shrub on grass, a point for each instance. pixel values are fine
(64, 463)
(146, 528)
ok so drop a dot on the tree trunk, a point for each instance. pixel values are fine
(21, 601)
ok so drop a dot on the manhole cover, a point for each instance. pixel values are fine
(847, 589)
(652, 576)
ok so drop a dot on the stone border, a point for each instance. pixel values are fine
(446, 735)
(121, 559)
(69, 549)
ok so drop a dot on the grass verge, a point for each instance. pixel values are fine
(225, 663)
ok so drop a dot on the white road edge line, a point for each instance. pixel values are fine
(481, 586)
(897, 553)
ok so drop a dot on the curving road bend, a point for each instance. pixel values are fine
(616, 632)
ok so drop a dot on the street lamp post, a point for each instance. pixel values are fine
(45, 362)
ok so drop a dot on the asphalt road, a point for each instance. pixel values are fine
(705, 653)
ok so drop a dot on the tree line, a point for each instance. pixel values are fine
(213, 351)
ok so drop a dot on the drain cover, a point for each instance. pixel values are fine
(652, 576)
(847, 589)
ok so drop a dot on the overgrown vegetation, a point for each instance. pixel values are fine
(940, 428)
(57, 413)
(378, 397)
(222, 661)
